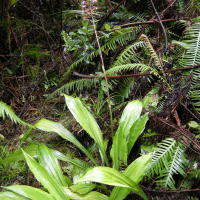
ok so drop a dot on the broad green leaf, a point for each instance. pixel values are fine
(130, 114)
(111, 176)
(135, 171)
(119, 149)
(61, 156)
(30, 192)
(90, 196)
(83, 188)
(87, 121)
(45, 178)
(11, 196)
(48, 160)
(77, 171)
(50, 126)
(18, 155)
(136, 130)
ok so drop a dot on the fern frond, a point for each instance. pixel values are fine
(128, 54)
(192, 8)
(115, 39)
(5, 110)
(176, 165)
(161, 156)
(151, 50)
(124, 90)
(192, 56)
(143, 68)
(77, 84)
(72, 67)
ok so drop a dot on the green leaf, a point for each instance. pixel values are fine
(26, 135)
(107, 26)
(50, 126)
(85, 23)
(45, 178)
(119, 149)
(83, 188)
(136, 130)
(13, 2)
(193, 124)
(135, 171)
(130, 114)
(82, 31)
(11, 196)
(30, 192)
(90, 196)
(18, 155)
(117, 27)
(87, 121)
(62, 157)
(48, 160)
(111, 176)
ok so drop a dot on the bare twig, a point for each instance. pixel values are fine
(132, 75)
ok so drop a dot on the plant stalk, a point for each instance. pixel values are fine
(103, 68)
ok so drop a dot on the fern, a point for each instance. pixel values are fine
(168, 160)
(192, 57)
(77, 84)
(6, 110)
(143, 68)
(128, 54)
(124, 91)
(117, 38)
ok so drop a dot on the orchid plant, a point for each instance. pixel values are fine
(43, 162)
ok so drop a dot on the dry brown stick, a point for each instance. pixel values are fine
(170, 5)
(146, 22)
(109, 4)
(132, 75)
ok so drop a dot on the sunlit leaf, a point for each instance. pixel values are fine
(111, 176)
(135, 171)
(136, 130)
(75, 162)
(82, 188)
(119, 149)
(89, 196)
(30, 192)
(18, 155)
(87, 121)
(48, 160)
(45, 178)
(50, 126)
(11, 196)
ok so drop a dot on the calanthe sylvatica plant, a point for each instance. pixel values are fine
(43, 162)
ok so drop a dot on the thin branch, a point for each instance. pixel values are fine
(133, 75)
(163, 28)
(146, 22)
